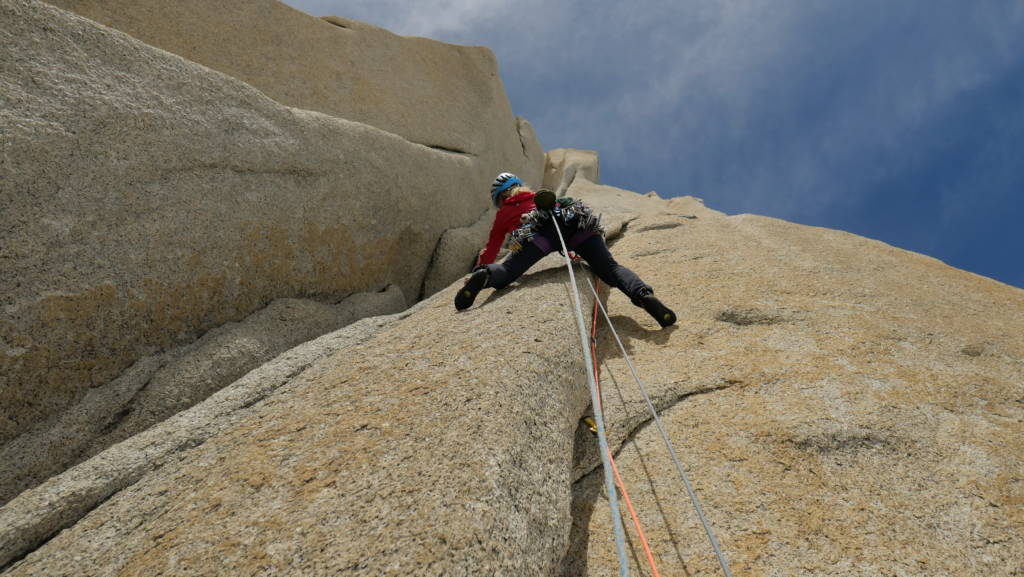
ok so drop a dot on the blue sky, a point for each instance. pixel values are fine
(900, 121)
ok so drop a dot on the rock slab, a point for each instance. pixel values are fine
(157, 387)
(432, 93)
(419, 450)
(562, 166)
(148, 199)
(842, 407)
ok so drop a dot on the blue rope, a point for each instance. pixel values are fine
(620, 536)
(668, 443)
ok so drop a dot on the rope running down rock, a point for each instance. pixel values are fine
(620, 539)
(644, 543)
(668, 443)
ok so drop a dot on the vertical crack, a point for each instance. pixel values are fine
(585, 492)
(522, 140)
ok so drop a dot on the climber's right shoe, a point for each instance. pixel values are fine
(655, 308)
(467, 294)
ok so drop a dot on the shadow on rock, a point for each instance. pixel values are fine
(673, 533)
(629, 330)
(585, 492)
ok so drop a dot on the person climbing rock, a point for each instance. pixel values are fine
(527, 216)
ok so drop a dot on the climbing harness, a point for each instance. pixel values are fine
(585, 220)
(607, 460)
(613, 501)
(664, 436)
(524, 234)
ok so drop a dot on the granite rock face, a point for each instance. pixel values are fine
(456, 253)
(159, 386)
(439, 95)
(562, 166)
(831, 425)
(842, 407)
(147, 199)
(39, 513)
(414, 449)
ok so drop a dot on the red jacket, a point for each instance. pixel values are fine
(507, 220)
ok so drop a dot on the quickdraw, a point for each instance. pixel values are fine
(577, 215)
(524, 234)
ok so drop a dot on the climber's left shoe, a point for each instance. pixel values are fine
(467, 294)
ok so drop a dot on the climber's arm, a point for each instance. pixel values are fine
(490, 252)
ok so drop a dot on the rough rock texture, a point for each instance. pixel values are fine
(436, 94)
(618, 207)
(842, 407)
(147, 199)
(417, 450)
(157, 387)
(458, 248)
(563, 165)
(531, 170)
(456, 253)
(39, 513)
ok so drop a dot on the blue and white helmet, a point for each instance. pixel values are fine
(503, 182)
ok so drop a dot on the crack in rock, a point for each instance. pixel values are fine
(32, 518)
(585, 492)
(588, 453)
(663, 406)
(589, 486)
(447, 149)
(522, 139)
(658, 226)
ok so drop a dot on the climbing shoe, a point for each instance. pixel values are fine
(655, 308)
(467, 294)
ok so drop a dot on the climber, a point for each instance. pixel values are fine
(527, 216)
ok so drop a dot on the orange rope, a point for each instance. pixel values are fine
(632, 513)
(611, 460)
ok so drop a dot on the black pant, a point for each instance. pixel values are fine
(592, 249)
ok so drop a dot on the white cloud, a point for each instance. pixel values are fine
(802, 110)
(717, 66)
